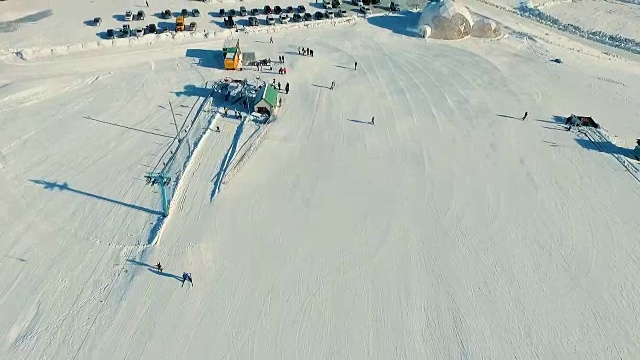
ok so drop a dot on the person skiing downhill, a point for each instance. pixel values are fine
(158, 266)
(333, 84)
(372, 120)
(187, 277)
(355, 66)
(525, 115)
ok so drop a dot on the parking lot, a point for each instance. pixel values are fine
(240, 17)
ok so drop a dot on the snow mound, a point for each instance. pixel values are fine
(7, 55)
(446, 19)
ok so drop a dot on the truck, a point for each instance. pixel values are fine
(179, 23)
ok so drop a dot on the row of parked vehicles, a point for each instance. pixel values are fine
(268, 10)
(298, 17)
(127, 31)
(167, 14)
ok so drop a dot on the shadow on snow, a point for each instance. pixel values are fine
(226, 161)
(48, 185)
(397, 23)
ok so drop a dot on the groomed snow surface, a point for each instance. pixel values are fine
(450, 229)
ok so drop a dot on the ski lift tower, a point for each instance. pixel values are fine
(162, 180)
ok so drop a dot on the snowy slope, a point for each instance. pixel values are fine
(449, 229)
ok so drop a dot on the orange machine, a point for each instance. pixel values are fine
(179, 23)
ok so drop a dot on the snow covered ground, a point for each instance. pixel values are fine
(609, 16)
(449, 229)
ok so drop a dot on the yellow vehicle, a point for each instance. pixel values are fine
(179, 23)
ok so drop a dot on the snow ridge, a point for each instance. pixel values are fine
(252, 146)
(535, 14)
(608, 143)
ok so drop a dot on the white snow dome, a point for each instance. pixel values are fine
(485, 28)
(445, 19)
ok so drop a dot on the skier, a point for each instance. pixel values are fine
(372, 120)
(217, 129)
(286, 88)
(299, 51)
(333, 84)
(158, 266)
(271, 40)
(311, 53)
(226, 111)
(283, 59)
(355, 66)
(187, 277)
(525, 115)
(285, 71)
(278, 85)
(146, 2)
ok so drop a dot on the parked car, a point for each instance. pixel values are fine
(329, 14)
(284, 18)
(255, 12)
(221, 12)
(232, 12)
(139, 32)
(375, 2)
(97, 21)
(126, 30)
(327, 4)
(243, 11)
(193, 26)
(160, 30)
(297, 17)
(228, 22)
(357, 3)
(318, 15)
(111, 34)
(343, 13)
(277, 10)
(166, 14)
(184, 13)
(366, 2)
(307, 17)
(302, 9)
(365, 10)
(152, 28)
(394, 7)
(140, 15)
(253, 21)
(128, 16)
(195, 13)
(289, 9)
(336, 3)
(271, 20)
(267, 9)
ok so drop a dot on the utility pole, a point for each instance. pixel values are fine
(162, 180)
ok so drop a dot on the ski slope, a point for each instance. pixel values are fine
(449, 229)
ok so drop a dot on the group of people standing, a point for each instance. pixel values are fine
(305, 51)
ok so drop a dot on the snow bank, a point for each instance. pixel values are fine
(535, 14)
(247, 150)
(39, 52)
(300, 25)
(613, 40)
